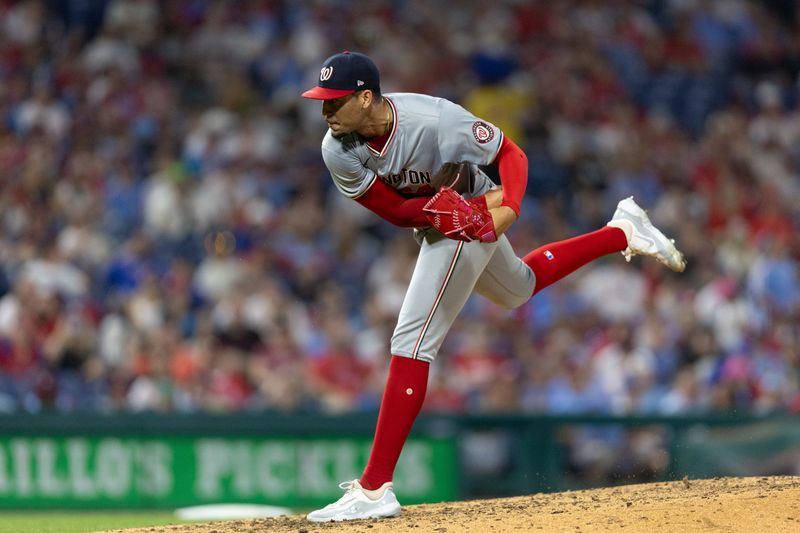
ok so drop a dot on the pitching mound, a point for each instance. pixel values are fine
(724, 504)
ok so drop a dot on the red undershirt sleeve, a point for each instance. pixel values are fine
(512, 164)
(393, 207)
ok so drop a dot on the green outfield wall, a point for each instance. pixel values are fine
(166, 461)
(177, 471)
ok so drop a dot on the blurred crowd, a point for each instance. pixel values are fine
(170, 239)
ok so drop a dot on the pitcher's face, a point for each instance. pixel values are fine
(344, 115)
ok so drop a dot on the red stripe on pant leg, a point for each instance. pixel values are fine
(554, 261)
(415, 351)
(402, 400)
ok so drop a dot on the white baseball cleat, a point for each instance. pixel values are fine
(358, 503)
(643, 237)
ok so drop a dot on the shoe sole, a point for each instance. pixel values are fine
(386, 511)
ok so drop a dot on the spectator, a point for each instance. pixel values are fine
(163, 208)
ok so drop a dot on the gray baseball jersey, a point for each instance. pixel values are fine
(426, 133)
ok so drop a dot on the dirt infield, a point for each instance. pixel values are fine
(725, 504)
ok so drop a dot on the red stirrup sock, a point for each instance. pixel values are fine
(553, 261)
(402, 401)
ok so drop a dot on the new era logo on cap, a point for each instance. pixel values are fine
(345, 73)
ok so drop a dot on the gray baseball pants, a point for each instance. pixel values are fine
(446, 273)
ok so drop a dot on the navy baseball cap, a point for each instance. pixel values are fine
(345, 73)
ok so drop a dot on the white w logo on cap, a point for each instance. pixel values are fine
(325, 73)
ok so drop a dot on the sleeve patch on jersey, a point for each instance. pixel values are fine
(482, 131)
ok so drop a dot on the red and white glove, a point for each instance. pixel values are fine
(460, 219)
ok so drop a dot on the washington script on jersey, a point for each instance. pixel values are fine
(408, 179)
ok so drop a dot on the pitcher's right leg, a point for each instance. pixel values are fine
(443, 279)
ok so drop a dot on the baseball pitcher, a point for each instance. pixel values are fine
(414, 161)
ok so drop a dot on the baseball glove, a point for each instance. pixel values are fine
(460, 219)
